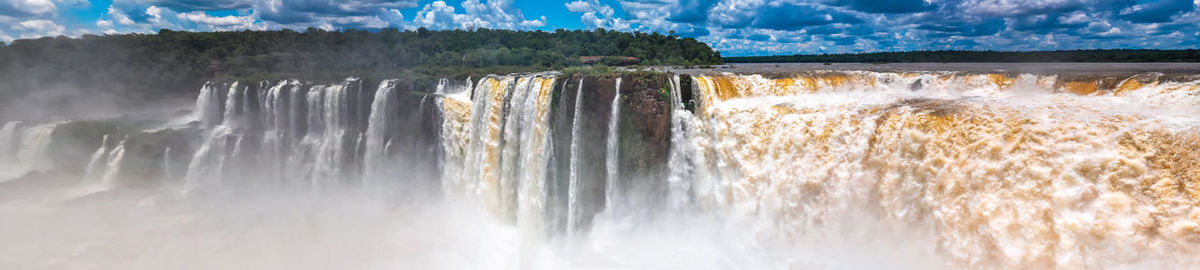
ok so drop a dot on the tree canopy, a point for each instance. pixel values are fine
(174, 61)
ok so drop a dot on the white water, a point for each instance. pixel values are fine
(984, 171)
(112, 168)
(168, 172)
(35, 142)
(611, 158)
(99, 158)
(859, 170)
(10, 142)
(376, 161)
(682, 157)
(573, 200)
(316, 155)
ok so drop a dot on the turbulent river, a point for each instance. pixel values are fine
(800, 168)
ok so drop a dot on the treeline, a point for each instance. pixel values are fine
(1122, 55)
(174, 61)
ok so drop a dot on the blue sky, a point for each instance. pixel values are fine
(734, 27)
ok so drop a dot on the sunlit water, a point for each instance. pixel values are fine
(804, 170)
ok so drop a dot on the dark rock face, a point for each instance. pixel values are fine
(594, 111)
(643, 134)
(645, 137)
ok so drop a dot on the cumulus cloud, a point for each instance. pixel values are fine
(26, 8)
(1156, 11)
(597, 15)
(476, 14)
(791, 26)
(892, 6)
(324, 11)
(737, 27)
(217, 22)
(35, 28)
(786, 16)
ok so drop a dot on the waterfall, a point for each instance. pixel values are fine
(10, 144)
(35, 143)
(574, 211)
(233, 107)
(115, 158)
(482, 160)
(535, 154)
(281, 126)
(208, 106)
(168, 172)
(10, 141)
(990, 169)
(680, 161)
(515, 110)
(1001, 171)
(378, 135)
(334, 123)
(99, 158)
(500, 146)
(611, 162)
(283, 134)
(455, 137)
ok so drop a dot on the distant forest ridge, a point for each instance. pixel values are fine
(174, 61)
(1115, 55)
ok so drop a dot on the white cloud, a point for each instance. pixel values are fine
(104, 24)
(436, 15)
(120, 17)
(1050, 40)
(597, 15)
(1013, 7)
(534, 23)
(36, 28)
(393, 17)
(201, 18)
(155, 14)
(1075, 18)
(360, 21)
(584, 6)
(476, 14)
(5, 38)
(1111, 32)
(22, 8)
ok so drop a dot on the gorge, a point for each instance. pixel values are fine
(670, 168)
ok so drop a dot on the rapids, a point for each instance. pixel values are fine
(814, 169)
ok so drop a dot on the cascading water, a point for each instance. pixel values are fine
(611, 160)
(504, 143)
(976, 170)
(574, 202)
(306, 137)
(10, 143)
(1002, 171)
(682, 159)
(112, 168)
(379, 127)
(94, 171)
(168, 172)
(208, 106)
(35, 142)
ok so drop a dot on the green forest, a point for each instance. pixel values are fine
(174, 61)
(1191, 55)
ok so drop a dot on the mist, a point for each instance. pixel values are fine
(759, 168)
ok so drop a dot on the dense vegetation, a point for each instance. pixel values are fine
(172, 61)
(983, 56)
